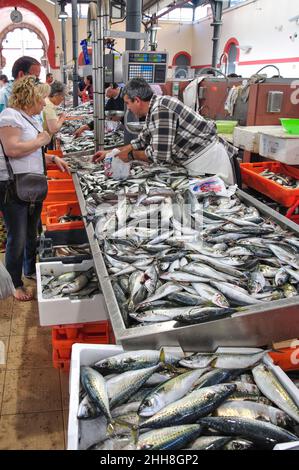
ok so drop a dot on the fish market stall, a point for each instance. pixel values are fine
(266, 310)
(168, 399)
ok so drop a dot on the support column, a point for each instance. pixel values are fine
(217, 8)
(75, 51)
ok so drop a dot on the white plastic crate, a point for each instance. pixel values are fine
(83, 355)
(280, 146)
(248, 137)
(62, 311)
(89, 354)
(86, 355)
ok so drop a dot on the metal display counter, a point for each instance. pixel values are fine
(257, 326)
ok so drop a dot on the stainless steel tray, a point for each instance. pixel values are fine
(258, 326)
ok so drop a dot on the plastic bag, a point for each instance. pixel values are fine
(114, 167)
(213, 184)
(6, 286)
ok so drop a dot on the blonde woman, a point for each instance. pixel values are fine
(22, 139)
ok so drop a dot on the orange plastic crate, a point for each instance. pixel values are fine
(61, 185)
(47, 204)
(293, 213)
(251, 178)
(59, 197)
(287, 358)
(58, 175)
(57, 153)
(63, 339)
(58, 363)
(54, 212)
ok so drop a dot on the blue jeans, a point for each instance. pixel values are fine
(21, 226)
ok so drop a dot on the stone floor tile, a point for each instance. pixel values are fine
(32, 431)
(31, 390)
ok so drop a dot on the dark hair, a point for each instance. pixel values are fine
(49, 75)
(89, 77)
(57, 88)
(23, 64)
(113, 85)
(138, 88)
(234, 75)
(4, 78)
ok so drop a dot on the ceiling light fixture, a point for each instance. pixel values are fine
(62, 15)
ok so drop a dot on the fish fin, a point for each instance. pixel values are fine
(162, 357)
(110, 429)
(213, 362)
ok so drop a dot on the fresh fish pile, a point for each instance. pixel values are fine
(281, 179)
(81, 110)
(150, 400)
(70, 250)
(81, 162)
(70, 144)
(85, 142)
(76, 285)
(174, 255)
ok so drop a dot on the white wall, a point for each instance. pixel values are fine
(262, 24)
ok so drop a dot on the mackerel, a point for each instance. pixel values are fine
(188, 409)
(271, 387)
(260, 432)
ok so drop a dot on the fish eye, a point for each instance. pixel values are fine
(147, 403)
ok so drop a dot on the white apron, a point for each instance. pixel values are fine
(213, 160)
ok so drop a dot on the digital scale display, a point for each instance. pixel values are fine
(146, 58)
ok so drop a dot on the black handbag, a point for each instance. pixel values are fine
(28, 187)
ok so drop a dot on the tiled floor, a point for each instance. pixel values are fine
(33, 395)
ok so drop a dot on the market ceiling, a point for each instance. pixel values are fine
(178, 3)
(150, 3)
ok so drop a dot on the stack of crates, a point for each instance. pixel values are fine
(63, 338)
(62, 199)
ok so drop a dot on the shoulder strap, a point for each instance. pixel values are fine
(8, 165)
(38, 132)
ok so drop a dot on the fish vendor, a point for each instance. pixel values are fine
(173, 132)
(115, 102)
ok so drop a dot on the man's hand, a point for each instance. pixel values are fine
(99, 156)
(80, 131)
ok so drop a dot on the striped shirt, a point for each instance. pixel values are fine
(173, 132)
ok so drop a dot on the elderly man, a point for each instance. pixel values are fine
(174, 133)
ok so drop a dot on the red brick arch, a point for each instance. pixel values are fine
(14, 26)
(38, 12)
(186, 54)
(227, 47)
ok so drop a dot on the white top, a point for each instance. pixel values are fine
(32, 163)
